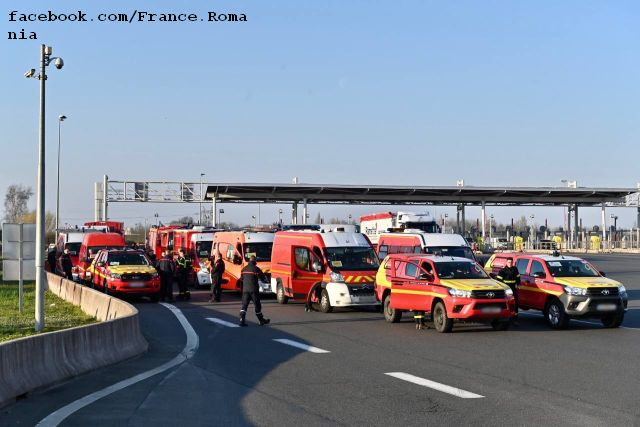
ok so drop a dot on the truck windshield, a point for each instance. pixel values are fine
(351, 258)
(127, 259)
(457, 251)
(571, 268)
(203, 249)
(73, 247)
(262, 251)
(93, 250)
(427, 227)
(460, 270)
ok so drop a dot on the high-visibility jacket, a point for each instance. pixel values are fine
(509, 276)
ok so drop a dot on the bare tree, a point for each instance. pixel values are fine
(15, 202)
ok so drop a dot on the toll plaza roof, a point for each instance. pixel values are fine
(382, 194)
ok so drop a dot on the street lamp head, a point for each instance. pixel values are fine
(58, 63)
(30, 73)
(62, 117)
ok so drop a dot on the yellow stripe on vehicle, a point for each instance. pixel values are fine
(544, 291)
(408, 292)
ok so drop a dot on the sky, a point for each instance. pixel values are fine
(498, 93)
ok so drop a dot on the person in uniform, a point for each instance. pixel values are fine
(66, 264)
(217, 269)
(250, 276)
(510, 276)
(166, 269)
(183, 267)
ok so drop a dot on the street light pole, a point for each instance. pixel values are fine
(61, 118)
(45, 60)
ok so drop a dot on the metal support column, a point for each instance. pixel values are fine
(214, 212)
(105, 182)
(576, 227)
(464, 224)
(604, 226)
(483, 219)
(294, 213)
(569, 231)
(304, 212)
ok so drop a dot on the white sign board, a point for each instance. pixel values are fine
(11, 245)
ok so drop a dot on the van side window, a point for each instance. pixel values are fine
(536, 267)
(301, 258)
(411, 270)
(417, 249)
(521, 265)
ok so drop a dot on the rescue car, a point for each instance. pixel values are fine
(449, 288)
(564, 287)
(375, 224)
(124, 272)
(236, 249)
(92, 243)
(334, 269)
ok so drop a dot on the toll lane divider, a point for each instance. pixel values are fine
(37, 361)
(463, 394)
(187, 353)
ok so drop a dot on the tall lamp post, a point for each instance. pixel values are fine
(45, 60)
(61, 118)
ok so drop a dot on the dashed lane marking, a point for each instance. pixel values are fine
(463, 394)
(222, 322)
(301, 346)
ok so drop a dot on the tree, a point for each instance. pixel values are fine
(183, 220)
(15, 201)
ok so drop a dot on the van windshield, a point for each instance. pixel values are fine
(571, 268)
(457, 251)
(460, 270)
(73, 247)
(351, 258)
(427, 227)
(203, 249)
(92, 251)
(262, 251)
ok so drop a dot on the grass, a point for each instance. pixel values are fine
(59, 314)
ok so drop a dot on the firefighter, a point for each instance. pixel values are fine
(183, 266)
(66, 265)
(166, 270)
(51, 259)
(250, 291)
(510, 276)
(217, 269)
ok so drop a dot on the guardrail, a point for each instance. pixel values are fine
(29, 363)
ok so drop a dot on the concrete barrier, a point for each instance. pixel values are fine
(45, 359)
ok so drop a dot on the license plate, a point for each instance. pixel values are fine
(606, 307)
(136, 285)
(491, 310)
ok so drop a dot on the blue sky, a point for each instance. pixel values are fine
(405, 92)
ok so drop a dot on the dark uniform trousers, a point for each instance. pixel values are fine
(248, 297)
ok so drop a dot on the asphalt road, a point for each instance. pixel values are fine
(529, 375)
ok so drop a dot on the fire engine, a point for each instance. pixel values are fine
(375, 224)
(196, 242)
(106, 226)
(334, 269)
(161, 239)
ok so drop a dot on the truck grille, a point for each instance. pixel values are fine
(136, 277)
(485, 294)
(361, 291)
(603, 292)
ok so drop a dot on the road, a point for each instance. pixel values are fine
(529, 375)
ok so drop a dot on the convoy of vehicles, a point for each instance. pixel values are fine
(124, 272)
(236, 249)
(449, 288)
(564, 287)
(415, 242)
(375, 224)
(334, 269)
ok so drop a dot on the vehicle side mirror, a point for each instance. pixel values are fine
(603, 274)
(539, 275)
(316, 267)
(425, 276)
(100, 264)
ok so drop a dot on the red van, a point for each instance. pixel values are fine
(91, 244)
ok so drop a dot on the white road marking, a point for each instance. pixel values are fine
(463, 394)
(187, 353)
(222, 322)
(302, 346)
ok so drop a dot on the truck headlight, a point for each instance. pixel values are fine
(508, 292)
(115, 275)
(459, 293)
(575, 291)
(336, 277)
(154, 275)
(622, 289)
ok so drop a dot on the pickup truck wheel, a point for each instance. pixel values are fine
(391, 314)
(325, 303)
(500, 325)
(280, 296)
(613, 320)
(555, 315)
(441, 321)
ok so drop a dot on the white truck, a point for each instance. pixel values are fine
(375, 224)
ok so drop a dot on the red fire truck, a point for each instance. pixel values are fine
(107, 226)
(196, 242)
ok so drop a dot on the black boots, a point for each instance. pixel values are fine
(262, 320)
(242, 316)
